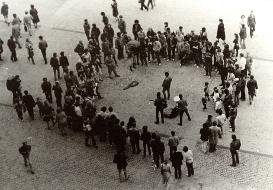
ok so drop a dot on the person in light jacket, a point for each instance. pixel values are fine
(157, 49)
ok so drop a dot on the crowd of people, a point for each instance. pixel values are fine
(78, 110)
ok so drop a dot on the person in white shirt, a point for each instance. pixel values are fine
(242, 21)
(230, 77)
(27, 22)
(218, 104)
(188, 158)
(221, 119)
(242, 64)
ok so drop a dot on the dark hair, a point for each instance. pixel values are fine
(206, 83)
(40, 37)
(166, 74)
(214, 123)
(180, 96)
(185, 149)
(251, 77)
(233, 137)
(136, 21)
(158, 94)
(26, 92)
(103, 109)
(54, 54)
(153, 135)
(145, 128)
(220, 112)
(172, 133)
(110, 108)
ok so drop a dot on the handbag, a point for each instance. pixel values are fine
(25, 28)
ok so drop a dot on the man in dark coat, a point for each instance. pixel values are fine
(110, 34)
(43, 46)
(160, 104)
(104, 19)
(221, 31)
(12, 48)
(183, 107)
(64, 63)
(134, 135)
(54, 62)
(58, 94)
(25, 152)
(166, 85)
(251, 22)
(251, 86)
(86, 28)
(136, 28)
(29, 103)
(177, 158)
(95, 31)
(234, 147)
(46, 87)
(121, 25)
(158, 148)
(142, 2)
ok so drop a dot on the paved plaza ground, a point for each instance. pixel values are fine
(65, 163)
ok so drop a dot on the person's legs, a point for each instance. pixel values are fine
(187, 113)
(156, 159)
(173, 53)
(162, 116)
(189, 169)
(169, 53)
(144, 148)
(44, 55)
(25, 161)
(237, 157)
(176, 172)
(54, 71)
(119, 175)
(30, 112)
(149, 148)
(133, 147)
(162, 157)
(164, 94)
(191, 166)
(59, 74)
(233, 158)
(156, 115)
(181, 112)
(168, 91)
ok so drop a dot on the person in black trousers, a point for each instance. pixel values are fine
(142, 2)
(42, 46)
(134, 139)
(25, 152)
(234, 147)
(146, 139)
(160, 104)
(29, 103)
(46, 87)
(58, 93)
(242, 85)
(177, 158)
(183, 107)
(158, 150)
(54, 62)
(12, 48)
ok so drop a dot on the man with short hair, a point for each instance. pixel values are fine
(12, 47)
(86, 28)
(29, 103)
(213, 138)
(95, 31)
(251, 86)
(234, 147)
(188, 157)
(177, 159)
(160, 104)
(104, 19)
(183, 107)
(5, 12)
(251, 22)
(173, 143)
(46, 87)
(42, 46)
(54, 62)
(121, 25)
(58, 93)
(25, 152)
(166, 85)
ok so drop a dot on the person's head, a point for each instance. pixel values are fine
(40, 37)
(185, 149)
(118, 34)
(241, 55)
(145, 128)
(209, 117)
(122, 123)
(172, 133)
(11, 37)
(243, 26)
(166, 24)
(32, 6)
(157, 138)
(236, 35)
(26, 12)
(44, 79)
(62, 53)
(243, 16)
(103, 109)
(153, 135)
(26, 92)
(180, 96)
(14, 15)
(205, 125)
(110, 109)
(180, 27)
(85, 20)
(120, 16)
(251, 77)
(214, 123)
(220, 112)
(136, 21)
(102, 14)
(226, 91)
(71, 72)
(27, 40)
(166, 74)
(55, 54)
(203, 29)
(24, 143)
(206, 83)
(132, 119)
(233, 137)
(221, 20)
(158, 94)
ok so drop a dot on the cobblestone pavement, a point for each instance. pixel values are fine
(65, 163)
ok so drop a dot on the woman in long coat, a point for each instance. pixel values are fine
(221, 31)
(115, 9)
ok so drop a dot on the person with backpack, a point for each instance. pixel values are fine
(160, 104)
(235, 145)
(183, 107)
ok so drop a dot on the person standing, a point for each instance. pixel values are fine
(252, 86)
(221, 119)
(1, 48)
(210, 51)
(86, 28)
(243, 36)
(121, 25)
(46, 87)
(119, 45)
(121, 160)
(213, 138)
(104, 19)
(142, 5)
(25, 152)
(157, 48)
(95, 31)
(177, 159)
(248, 66)
(188, 157)
(173, 142)
(64, 63)
(89, 134)
(48, 114)
(150, 2)
(183, 107)
(134, 139)
(146, 139)
(54, 62)
(16, 30)
(61, 119)
(160, 104)
(204, 132)
(233, 115)
(251, 22)
(18, 106)
(166, 173)
(235, 145)
(158, 150)
(221, 31)
(27, 22)
(135, 29)
(30, 51)
(29, 103)
(34, 13)
(79, 49)
(12, 48)
(42, 46)
(111, 66)
(166, 85)
(115, 9)
(58, 94)
(5, 12)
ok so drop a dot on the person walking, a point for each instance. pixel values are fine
(243, 36)
(183, 108)
(146, 139)
(205, 133)
(150, 2)
(177, 158)
(16, 32)
(115, 9)
(46, 88)
(18, 106)
(251, 22)
(58, 94)
(95, 31)
(166, 85)
(25, 150)
(29, 46)
(79, 49)
(54, 62)
(252, 87)
(158, 148)
(64, 63)
(160, 104)
(104, 19)
(29, 103)
(48, 114)
(173, 142)
(119, 45)
(135, 29)
(12, 47)
(142, 5)
(233, 115)
(27, 22)
(165, 170)
(121, 160)
(111, 66)
(43, 46)
(134, 139)
(89, 133)
(5, 12)
(61, 119)
(221, 31)
(235, 145)
(188, 157)
(121, 25)
(213, 138)
(86, 28)
(34, 13)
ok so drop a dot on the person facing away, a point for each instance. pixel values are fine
(121, 160)
(173, 142)
(252, 87)
(29, 103)
(25, 150)
(213, 138)
(146, 139)
(134, 135)
(188, 157)
(160, 104)
(205, 133)
(43, 46)
(177, 159)
(234, 147)
(183, 107)
(46, 88)
(166, 85)
(54, 62)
